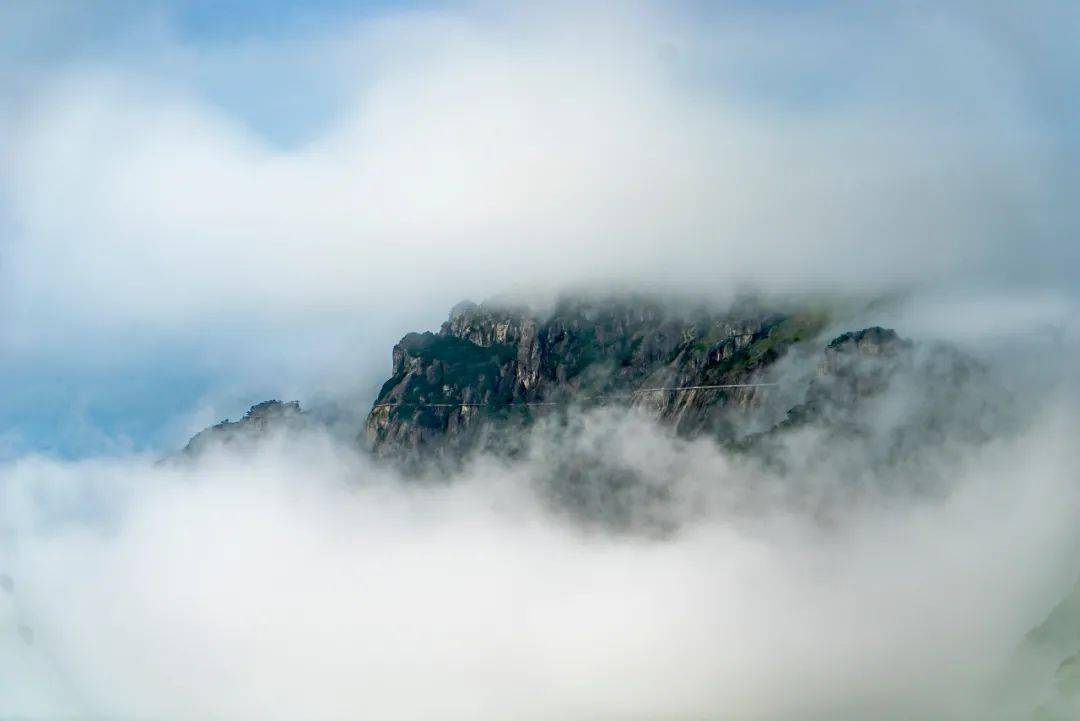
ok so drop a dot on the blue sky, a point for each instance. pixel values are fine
(211, 203)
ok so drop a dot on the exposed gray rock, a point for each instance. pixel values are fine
(492, 369)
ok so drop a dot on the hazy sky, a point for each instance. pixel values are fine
(204, 204)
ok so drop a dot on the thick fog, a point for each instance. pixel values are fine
(276, 209)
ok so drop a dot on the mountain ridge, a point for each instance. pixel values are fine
(500, 363)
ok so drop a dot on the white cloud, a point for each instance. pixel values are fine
(481, 153)
(301, 582)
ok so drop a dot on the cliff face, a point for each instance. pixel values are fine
(497, 367)
(492, 370)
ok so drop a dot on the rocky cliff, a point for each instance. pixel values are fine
(747, 376)
(492, 367)
(491, 370)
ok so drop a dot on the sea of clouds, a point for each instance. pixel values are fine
(148, 219)
(297, 579)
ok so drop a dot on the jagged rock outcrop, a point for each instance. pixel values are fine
(503, 363)
(262, 420)
(491, 370)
